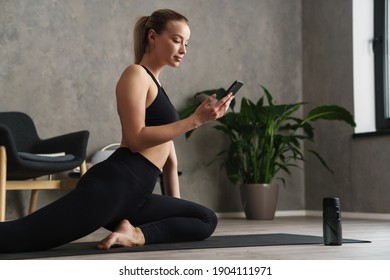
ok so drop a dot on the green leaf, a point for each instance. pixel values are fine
(266, 138)
(321, 160)
(331, 112)
(268, 95)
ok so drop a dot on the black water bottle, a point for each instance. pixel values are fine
(332, 221)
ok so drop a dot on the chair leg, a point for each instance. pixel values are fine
(34, 193)
(34, 198)
(33, 201)
(3, 180)
(83, 168)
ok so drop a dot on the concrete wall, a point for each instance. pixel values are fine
(60, 61)
(361, 176)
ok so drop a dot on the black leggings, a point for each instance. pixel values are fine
(119, 188)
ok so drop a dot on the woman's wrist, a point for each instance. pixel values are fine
(194, 122)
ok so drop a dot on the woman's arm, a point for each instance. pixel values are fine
(131, 92)
(170, 172)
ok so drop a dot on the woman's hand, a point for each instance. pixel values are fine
(207, 112)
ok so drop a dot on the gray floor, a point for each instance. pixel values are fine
(374, 230)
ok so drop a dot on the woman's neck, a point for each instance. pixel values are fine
(152, 66)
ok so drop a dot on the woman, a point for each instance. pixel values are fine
(117, 193)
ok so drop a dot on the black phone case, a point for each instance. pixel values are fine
(234, 87)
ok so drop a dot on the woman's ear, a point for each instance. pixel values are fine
(152, 37)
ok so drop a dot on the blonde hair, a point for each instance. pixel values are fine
(156, 21)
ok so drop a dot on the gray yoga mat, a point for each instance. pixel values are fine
(225, 241)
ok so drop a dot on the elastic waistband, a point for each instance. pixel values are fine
(124, 154)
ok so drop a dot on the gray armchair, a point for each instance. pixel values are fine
(24, 156)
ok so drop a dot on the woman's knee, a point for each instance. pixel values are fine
(211, 221)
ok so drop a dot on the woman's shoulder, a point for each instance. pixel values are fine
(133, 72)
(133, 76)
(134, 69)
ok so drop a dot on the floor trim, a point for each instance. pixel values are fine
(311, 213)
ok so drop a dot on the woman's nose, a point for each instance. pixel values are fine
(183, 49)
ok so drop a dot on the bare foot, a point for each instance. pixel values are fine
(125, 235)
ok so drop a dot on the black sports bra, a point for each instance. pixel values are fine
(161, 111)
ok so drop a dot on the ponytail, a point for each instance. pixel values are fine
(157, 21)
(140, 38)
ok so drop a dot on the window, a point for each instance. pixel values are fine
(363, 67)
(381, 64)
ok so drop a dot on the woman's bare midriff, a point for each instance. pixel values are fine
(157, 155)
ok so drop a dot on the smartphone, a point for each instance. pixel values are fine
(234, 87)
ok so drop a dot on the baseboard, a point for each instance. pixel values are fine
(290, 213)
(230, 215)
(353, 215)
(284, 213)
(311, 213)
(235, 215)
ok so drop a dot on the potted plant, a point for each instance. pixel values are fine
(266, 138)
